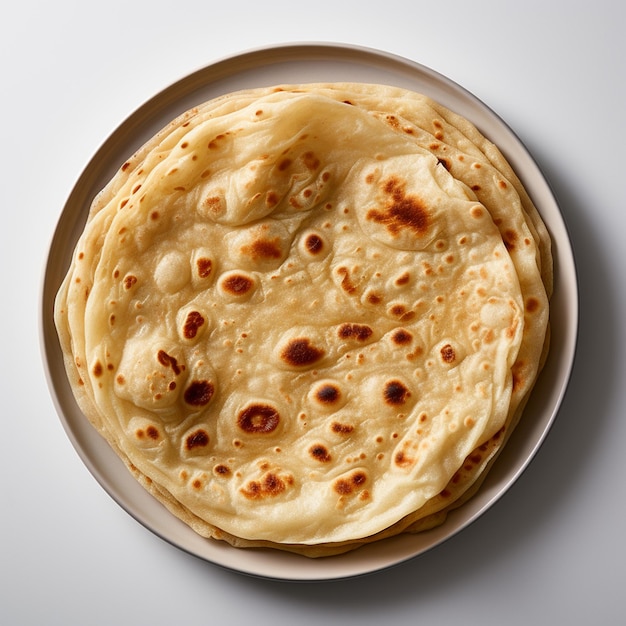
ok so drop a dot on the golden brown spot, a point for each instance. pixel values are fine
(403, 279)
(402, 460)
(320, 453)
(374, 298)
(154, 215)
(519, 380)
(97, 369)
(476, 212)
(301, 353)
(264, 249)
(395, 393)
(192, 324)
(360, 332)
(400, 311)
(284, 164)
(120, 380)
(532, 304)
(197, 439)
(199, 393)
(502, 184)
(125, 166)
(310, 161)
(129, 281)
(258, 419)
(237, 284)
(447, 354)
(510, 238)
(401, 212)
(213, 204)
(271, 199)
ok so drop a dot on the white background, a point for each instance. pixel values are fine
(553, 550)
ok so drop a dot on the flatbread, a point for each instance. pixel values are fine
(309, 316)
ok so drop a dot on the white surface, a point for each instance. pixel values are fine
(552, 550)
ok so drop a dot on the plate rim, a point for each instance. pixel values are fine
(255, 57)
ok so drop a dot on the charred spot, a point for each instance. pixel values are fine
(314, 243)
(320, 453)
(447, 354)
(258, 419)
(300, 353)
(197, 439)
(199, 393)
(192, 324)
(237, 284)
(402, 337)
(204, 266)
(401, 212)
(443, 162)
(264, 249)
(129, 281)
(125, 166)
(328, 394)
(395, 393)
(360, 332)
(167, 360)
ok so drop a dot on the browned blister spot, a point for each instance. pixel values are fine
(402, 337)
(204, 267)
(167, 360)
(270, 486)
(448, 354)
(346, 486)
(346, 283)
(301, 353)
(360, 332)
(510, 238)
(97, 369)
(192, 325)
(395, 393)
(314, 244)
(237, 284)
(221, 470)
(197, 439)
(129, 281)
(328, 394)
(341, 429)
(258, 419)
(401, 211)
(320, 453)
(199, 393)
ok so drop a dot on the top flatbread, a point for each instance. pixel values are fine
(308, 316)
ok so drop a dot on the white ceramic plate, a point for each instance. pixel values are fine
(298, 64)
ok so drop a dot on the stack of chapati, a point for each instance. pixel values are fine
(308, 317)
